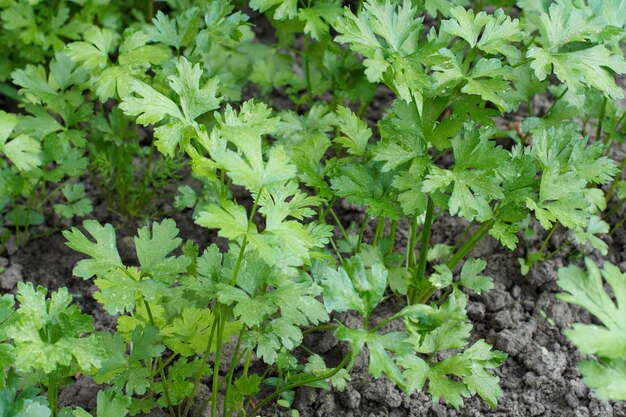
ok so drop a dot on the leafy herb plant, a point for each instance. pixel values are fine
(127, 97)
(605, 369)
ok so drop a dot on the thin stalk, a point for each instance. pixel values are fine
(392, 235)
(561, 246)
(359, 7)
(384, 322)
(611, 189)
(160, 363)
(246, 364)
(167, 362)
(421, 266)
(17, 223)
(341, 228)
(519, 64)
(600, 120)
(202, 369)
(361, 232)
(320, 328)
(149, 10)
(380, 227)
(222, 314)
(476, 237)
(547, 239)
(287, 387)
(307, 70)
(53, 395)
(547, 113)
(617, 226)
(410, 249)
(463, 235)
(231, 371)
(216, 365)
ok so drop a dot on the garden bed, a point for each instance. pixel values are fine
(521, 315)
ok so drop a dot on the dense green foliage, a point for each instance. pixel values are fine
(124, 100)
(605, 372)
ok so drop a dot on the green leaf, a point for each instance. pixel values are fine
(49, 333)
(245, 130)
(151, 107)
(112, 404)
(487, 78)
(473, 175)
(384, 33)
(231, 220)
(154, 246)
(23, 151)
(77, 202)
(586, 67)
(606, 378)
(380, 347)
(287, 9)
(315, 365)
(194, 100)
(147, 343)
(471, 278)
(480, 380)
(608, 339)
(103, 253)
(442, 7)
(366, 185)
(94, 53)
(563, 26)
(318, 17)
(353, 288)
(596, 226)
(189, 334)
(356, 133)
(442, 277)
(339, 293)
(494, 34)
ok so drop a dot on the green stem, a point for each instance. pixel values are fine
(519, 64)
(463, 235)
(384, 322)
(218, 358)
(410, 250)
(149, 10)
(392, 235)
(617, 226)
(166, 390)
(611, 189)
(53, 395)
(165, 364)
(288, 387)
(307, 70)
(221, 314)
(547, 113)
(547, 239)
(231, 371)
(320, 328)
(380, 227)
(202, 369)
(421, 266)
(246, 364)
(339, 225)
(361, 232)
(600, 120)
(476, 237)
